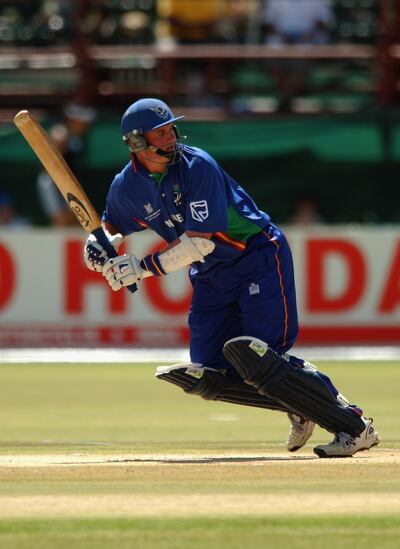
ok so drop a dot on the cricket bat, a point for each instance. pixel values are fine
(59, 171)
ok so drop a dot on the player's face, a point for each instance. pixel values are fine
(163, 138)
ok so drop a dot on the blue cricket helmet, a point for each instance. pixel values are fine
(145, 115)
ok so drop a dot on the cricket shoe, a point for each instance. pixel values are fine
(344, 445)
(299, 433)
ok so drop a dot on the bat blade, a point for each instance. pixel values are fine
(58, 170)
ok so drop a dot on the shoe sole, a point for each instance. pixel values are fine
(321, 453)
(295, 448)
(307, 438)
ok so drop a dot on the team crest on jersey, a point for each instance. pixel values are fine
(149, 208)
(160, 111)
(177, 198)
(199, 210)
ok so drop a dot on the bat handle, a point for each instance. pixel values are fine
(103, 240)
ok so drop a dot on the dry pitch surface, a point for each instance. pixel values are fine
(274, 483)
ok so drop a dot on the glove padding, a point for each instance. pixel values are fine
(123, 270)
(94, 255)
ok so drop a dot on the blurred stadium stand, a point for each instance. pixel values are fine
(341, 131)
(108, 51)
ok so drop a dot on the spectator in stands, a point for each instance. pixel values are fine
(235, 26)
(299, 22)
(306, 211)
(70, 139)
(183, 23)
(78, 119)
(213, 21)
(9, 217)
(189, 25)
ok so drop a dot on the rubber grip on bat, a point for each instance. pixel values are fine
(103, 240)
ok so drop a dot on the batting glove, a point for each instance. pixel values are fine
(123, 270)
(94, 255)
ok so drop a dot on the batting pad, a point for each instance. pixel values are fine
(300, 389)
(213, 384)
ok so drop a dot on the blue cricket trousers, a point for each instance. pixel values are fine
(252, 295)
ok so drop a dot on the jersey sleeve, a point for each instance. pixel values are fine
(207, 203)
(118, 213)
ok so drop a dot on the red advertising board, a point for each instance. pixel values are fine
(348, 288)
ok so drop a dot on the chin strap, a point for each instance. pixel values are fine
(173, 156)
(160, 152)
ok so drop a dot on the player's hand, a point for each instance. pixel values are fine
(123, 270)
(94, 255)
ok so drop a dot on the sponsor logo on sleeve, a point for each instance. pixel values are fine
(199, 210)
(151, 214)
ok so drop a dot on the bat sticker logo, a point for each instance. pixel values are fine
(79, 210)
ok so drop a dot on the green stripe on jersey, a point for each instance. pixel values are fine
(239, 227)
(158, 176)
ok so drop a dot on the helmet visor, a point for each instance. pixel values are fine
(168, 122)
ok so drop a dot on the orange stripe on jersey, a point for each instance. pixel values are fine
(235, 243)
(278, 266)
(141, 223)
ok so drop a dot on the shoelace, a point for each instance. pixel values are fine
(345, 438)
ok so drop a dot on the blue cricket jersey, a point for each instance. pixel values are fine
(196, 194)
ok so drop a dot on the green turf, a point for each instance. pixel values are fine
(87, 405)
(298, 533)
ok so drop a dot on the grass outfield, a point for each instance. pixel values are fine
(107, 456)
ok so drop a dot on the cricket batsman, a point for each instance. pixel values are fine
(243, 315)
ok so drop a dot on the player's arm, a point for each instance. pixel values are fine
(190, 234)
(109, 229)
(188, 248)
